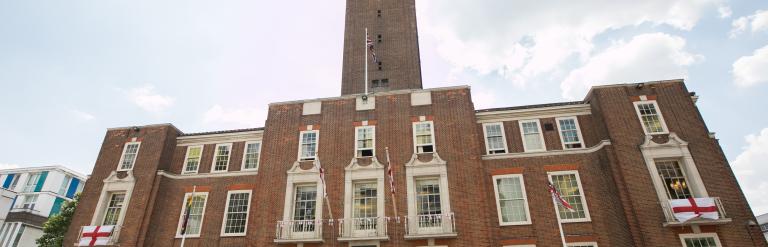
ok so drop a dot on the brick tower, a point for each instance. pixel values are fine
(392, 27)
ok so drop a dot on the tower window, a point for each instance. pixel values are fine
(375, 83)
(385, 82)
(378, 13)
(379, 38)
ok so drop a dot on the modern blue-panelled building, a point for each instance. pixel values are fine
(28, 196)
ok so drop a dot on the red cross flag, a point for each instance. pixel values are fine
(95, 235)
(687, 209)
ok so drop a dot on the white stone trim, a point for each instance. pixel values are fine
(298, 177)
(114, 184)
(674, 149)
(421, 98)
(193, 140)
(592, 149)
(415, 169)
(541, 135)
(354, 172)
(578, 132)
(312, 108)
(531, 113)
(503, 137)
(206, 175)
(498, 202)
(593, 244)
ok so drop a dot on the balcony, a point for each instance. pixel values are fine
(109, 238)
(299, 231)
(670, 219)
(430, 226)
(355, 229)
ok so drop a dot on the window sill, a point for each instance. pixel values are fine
(587, 220)
(188, 236)
(522, 223)
(227, 235)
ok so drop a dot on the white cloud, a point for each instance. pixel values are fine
(235, 117)
(521, 40)
(646, 57)
(750, 170)
(82, 115)
(751, 70)
(146, 98)
(755, 23)
(724, 11)
(4, 166)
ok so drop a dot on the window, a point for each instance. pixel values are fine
(764, 227)
(32, 181)
(700, 240)
(674, 179)
(650, 117)
(236, 213)
(570, 133)
(65, 185)
(304, 206)
(494, 138)
(251, 157)
(364, 141)
(428, 196)
(130, 150)
(423, 137)
(308, 145)
(364, 200)
(533, 140)
(192, 160)
(511, 201)
(29, 202)
(569, 186)
(221, 157)
(14, 181)
(196, 207)
(114, 208)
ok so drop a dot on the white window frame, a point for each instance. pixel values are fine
(226, 211)
(498, 202)
(541, 135)
(317, 144)
(35, 176)
(503, 138)
(245, 153)
(65, 183)
(357, 139)
(229, 157)
(181, 215)
(122, 156)
(32, 203)
(106, 206)
(593, 244)
(199, 162)
(658, 111)
(700, 235)
(578, 132)
(583, 196)
(432, 133)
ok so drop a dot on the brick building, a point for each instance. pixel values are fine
(462, 176)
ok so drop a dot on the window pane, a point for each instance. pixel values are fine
(193, 159)
(237, 213)
(700, 242)
(428, 196)
(114, 207)
(308, 145)
(194, 223)
(568, 187)
(304, 208)
(570, 133)
(650, 118)
(129, 156)
(511, 200)
(674, 179)
(222, 158)
(494, 138)
(364, 139)
(532, 136)
(252, 155)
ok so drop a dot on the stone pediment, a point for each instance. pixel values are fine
(115, 177)
(673, 141)
(300, 167)
(355, 165)
(417, 161)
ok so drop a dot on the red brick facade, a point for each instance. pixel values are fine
(622, 201)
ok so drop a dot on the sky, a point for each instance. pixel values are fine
(71, 69)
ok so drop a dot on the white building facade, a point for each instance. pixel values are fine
(28, 196)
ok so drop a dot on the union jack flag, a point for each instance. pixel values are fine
(322, 174)
(558, 199)
(390, 174)
(369, 41)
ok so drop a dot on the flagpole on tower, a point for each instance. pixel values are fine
(559, 224)
(557, 200)
(186, 215)
(366, 61)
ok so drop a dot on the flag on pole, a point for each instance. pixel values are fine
(322, 174)
(390, 174)
(188, 211)
(369, 41)
(558, 199)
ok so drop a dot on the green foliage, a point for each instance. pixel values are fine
(57, 225)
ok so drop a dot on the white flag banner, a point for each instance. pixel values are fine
(95, 235)
(687, 209)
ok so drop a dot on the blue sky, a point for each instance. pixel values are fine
(69, 70)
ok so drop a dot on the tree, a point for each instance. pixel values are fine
(57, 225)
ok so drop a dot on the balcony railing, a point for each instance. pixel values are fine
(99, 240)
(672, 221)
(430, 226)
(362, 228)
(299, 231)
